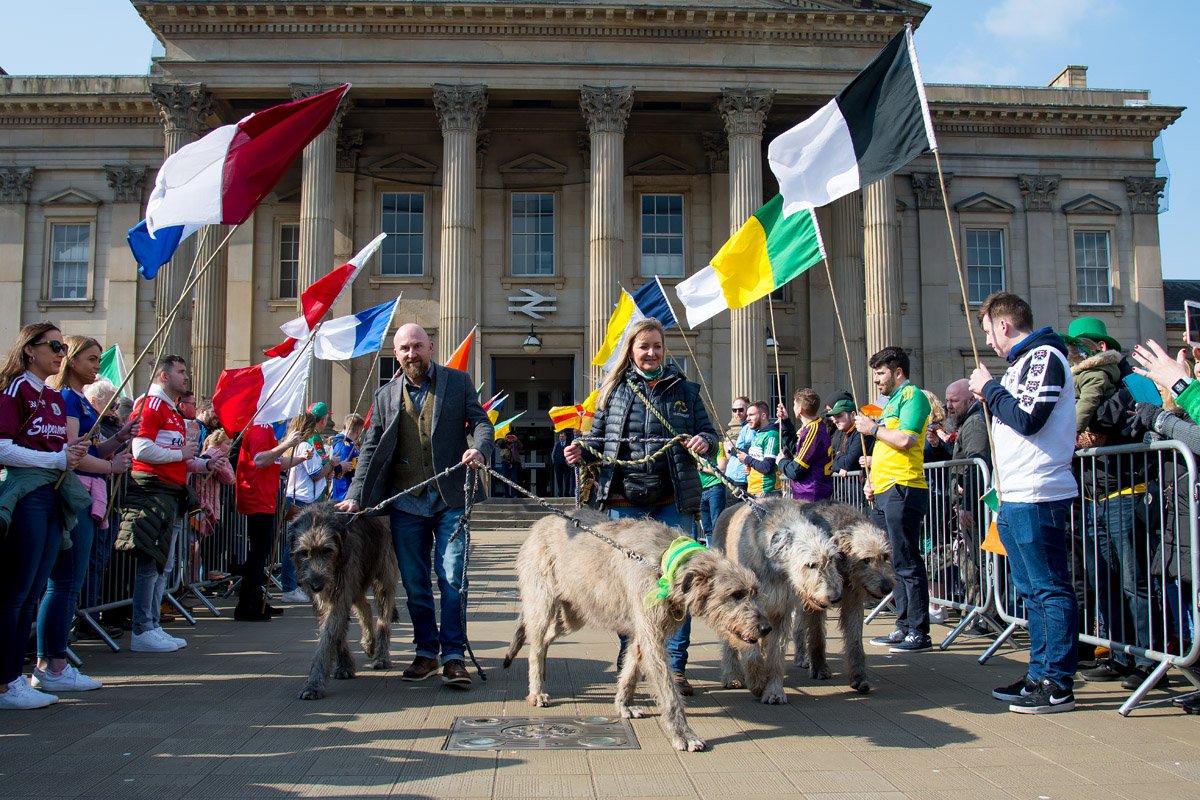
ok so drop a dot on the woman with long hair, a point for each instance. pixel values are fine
(35, 451)
(665, 487)
(79, 368)
(306, 484)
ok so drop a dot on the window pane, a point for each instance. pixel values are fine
(388, 367)
(985, 262)
(1093, 275)
(773, 389)
(532, 233)
(662, 235)
(402, 218)
(289, 260)
(70, 253)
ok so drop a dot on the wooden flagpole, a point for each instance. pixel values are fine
(378, 354)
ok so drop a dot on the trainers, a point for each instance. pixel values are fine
(69, 680)
(1104, 672)
(895, 637)
(420, 669)
(1016, 691)
(1048, 698)
(915, 642)
(681, 682)
(21, 696)
(150, 642)
(454, 673)
(296, 595)
(180, 643)
(938, 614)
(1137, 676)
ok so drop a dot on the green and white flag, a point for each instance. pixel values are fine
(112, 366)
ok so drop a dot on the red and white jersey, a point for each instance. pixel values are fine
(162, 424)
(33, 415)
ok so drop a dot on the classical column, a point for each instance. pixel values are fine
(745, 113)
(208, 321)
(1045, 288)
(184, 108)
(846, 266)
(881, 265)
(15, 183)
(460, 109)
(606, 110)
(318, 165)
(128, 185)
(944, 332)
(1146, 289)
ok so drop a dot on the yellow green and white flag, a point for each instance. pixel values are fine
(765, 253)
(625, 314)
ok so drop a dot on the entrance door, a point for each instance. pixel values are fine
(534, 385)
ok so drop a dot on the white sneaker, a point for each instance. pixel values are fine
(938, 614)
(151, 642)
(21, 695)
(69, 680)
(179, 643)
(296, 595)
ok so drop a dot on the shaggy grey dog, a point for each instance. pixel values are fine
(338, 559)
(570, 578)
(797, 567)
(866, 567)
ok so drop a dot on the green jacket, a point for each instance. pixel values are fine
(1096, 378)
(20, 481)
(148, 515)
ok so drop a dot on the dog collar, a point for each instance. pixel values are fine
(676, 556)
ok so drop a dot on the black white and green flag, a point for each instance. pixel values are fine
(875, 125)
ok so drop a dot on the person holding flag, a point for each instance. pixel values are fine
(306, 484)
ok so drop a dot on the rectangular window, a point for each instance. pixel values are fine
(289, 260)
(1093, 273)
(70, 258)
(388, 367)
(403, 220)
(532, 233)
(777, 387)
(662, 235)
(985, 262)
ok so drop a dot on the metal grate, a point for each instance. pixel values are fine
(541, 733)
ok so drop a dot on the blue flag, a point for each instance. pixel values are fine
(151, 253)
(651, 301)
(358, 334)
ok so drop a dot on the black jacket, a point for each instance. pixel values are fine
(624, 415)
(847, 450)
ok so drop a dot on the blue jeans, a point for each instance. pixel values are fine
(1035, 536)
(149, 585)
(1119, 571)
(27, 554)
(423, 545)
(102, 548)
(62, 593)
(712, 503)
(668, 514)
(287, 570)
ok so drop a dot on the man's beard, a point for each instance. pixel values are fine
(415, 371)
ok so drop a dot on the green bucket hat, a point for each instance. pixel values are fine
(839, 407)
(1094, 329)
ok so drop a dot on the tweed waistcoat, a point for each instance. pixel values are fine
(412, 462)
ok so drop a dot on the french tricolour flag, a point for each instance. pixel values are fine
(267, 392)
(355, 335)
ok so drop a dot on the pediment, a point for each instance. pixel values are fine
(661, 165)
(1091, 204)
(984, 202)
(71, 197)
(405, 163)
(287, 195)
(533, 163)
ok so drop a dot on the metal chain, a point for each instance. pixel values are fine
(410, 490)
(470, 480)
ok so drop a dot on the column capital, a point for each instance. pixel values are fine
(126, 182)
(483, 141)
(583, 142)
(302, 90)
(606, 108)
(1144, 193)
(926, 188)
(15, 183)
(460, 108)
(183, 106)
(349, 145)
(716, 148)
(1038, 191)
(745, 110)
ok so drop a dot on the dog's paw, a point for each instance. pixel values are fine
(774, 698)
(541, 700)
(633, 712)
(801, 661)
(861, 686)
(343, 673)
(380, 663)
(690, 744)
(311, 693)
(821, 673)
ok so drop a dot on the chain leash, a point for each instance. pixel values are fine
(410, 490)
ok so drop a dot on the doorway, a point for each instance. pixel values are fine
(534, 384)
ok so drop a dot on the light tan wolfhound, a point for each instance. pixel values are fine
(338, 559)
(796, 565)
(570, 578)
(866, 567)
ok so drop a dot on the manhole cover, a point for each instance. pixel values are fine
(541, 733)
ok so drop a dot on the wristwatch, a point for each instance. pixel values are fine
(1180, 386)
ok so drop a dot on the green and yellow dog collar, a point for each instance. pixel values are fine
(676, 556)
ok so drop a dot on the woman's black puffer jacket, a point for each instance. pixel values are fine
(624, 415)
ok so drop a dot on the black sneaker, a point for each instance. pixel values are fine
(1048, 698)
(1016, 691)
(895, 637)
(1104, 672)
(1137, 676)
(915, 642)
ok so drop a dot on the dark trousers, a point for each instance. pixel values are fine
(260, 530)
(564, 480)
(900, 511)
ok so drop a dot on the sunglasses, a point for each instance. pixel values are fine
(739, 411)
(57, 347)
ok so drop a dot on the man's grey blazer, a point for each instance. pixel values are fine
(456, 414)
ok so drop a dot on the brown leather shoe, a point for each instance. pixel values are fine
(685, 688)
(454, 673)
(420, 669)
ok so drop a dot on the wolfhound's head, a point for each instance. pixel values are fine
(724, 595)
(868, 557)
(806, 554)
(317, 538)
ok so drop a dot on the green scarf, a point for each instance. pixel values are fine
(677, 554)
(650, 376)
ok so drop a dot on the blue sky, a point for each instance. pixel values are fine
(1126, 44)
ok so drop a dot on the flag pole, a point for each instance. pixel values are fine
(378, 353)
(259, 407)
(778, 373)
(837, 312)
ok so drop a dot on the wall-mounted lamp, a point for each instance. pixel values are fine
(771, 341)
(532, 343)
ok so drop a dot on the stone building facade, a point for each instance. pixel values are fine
(532, 158)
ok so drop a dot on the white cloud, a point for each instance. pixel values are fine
(971, 65)
(1049, 20)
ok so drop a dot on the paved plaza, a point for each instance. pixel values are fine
(221, 720)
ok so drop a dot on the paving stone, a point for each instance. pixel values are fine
(840, 781)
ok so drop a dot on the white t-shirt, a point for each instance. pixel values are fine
(305, 482)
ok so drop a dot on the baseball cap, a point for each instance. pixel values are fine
(841, 406)
(319, 410)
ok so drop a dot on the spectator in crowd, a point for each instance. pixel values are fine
(900, 494)
(57, 609)
(640, 397)
(345, 448)
(124, 409)
(34, 451)
(157, 500)
(510, 459)
(208, 492)
(1033, 428)
(426, 420)
(712, 492)
(206, 418)
(969, 440)
(759, 459)
(938, 440)
(564, 473)
(741, 435)
(808, 455)
(306, 485)
(848, 444)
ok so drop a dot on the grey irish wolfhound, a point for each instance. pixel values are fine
(338, 559)
(797, 567)
(866, 567)
(569, 578)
